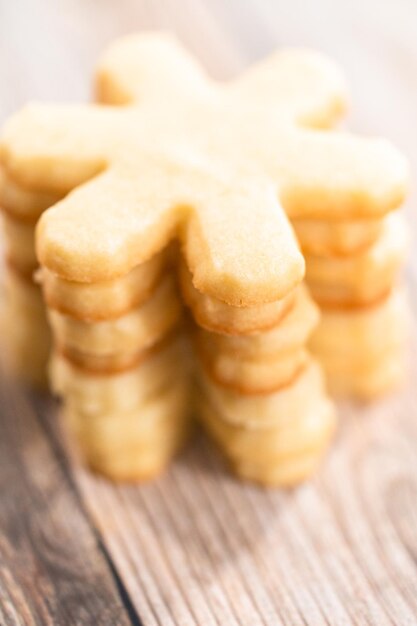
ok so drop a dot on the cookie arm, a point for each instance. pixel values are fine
(149, 66)
(54, 148)
(300, 85)
(336, 175)
(238, 244)
(108, 226)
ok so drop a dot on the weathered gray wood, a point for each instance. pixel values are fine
(196, 547)
(52, 567)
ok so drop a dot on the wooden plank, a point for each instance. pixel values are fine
(196, 547)
(53, 569)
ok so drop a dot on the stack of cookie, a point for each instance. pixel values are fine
(25, 330)
(254, 380)
(352, 268)
(171, 158)
(104, 251)
(352, 237)
(117, 346)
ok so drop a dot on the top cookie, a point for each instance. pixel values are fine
(213, 165)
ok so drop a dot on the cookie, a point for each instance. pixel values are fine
(261, 362)
(380, 377)
(130, 425)
(134, 445)
(361, 278)
(366, 328)
(114, 362)
(363, 350)
(97, 393)
(19, 240)
(292, 331)
(23, 204)
(254, 376)
(336, 238)
(263, 409)
(134, 331)
(217, 316)
(25, 332)
(106, 299)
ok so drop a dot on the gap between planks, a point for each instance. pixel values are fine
(53, 570)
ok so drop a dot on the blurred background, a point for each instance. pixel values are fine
(48, 47)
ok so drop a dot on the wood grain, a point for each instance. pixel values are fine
(340, 550)
(53, 569)
(196, 547)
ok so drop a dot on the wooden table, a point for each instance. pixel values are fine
(196, 547)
